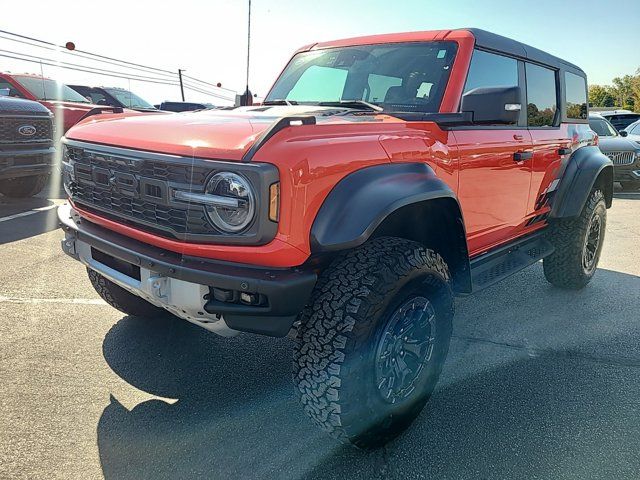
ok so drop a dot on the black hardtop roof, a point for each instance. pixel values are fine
(498, 43)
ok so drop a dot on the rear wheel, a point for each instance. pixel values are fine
(372, 342)
(120, 299)
(578, 243)
(23, 187)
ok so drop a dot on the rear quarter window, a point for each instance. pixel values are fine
(576, 94)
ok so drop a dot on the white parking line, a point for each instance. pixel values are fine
(37, 301)
(56, 203)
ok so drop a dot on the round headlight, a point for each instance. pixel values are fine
(237, 215)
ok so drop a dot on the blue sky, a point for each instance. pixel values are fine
(208, 37)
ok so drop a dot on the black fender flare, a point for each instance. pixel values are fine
(391, 193)
(585, 165)
(361, 201)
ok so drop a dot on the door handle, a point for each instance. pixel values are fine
(522, 156)
(517, 136)
(564, 151)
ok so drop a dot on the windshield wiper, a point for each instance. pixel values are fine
(359, 104)
(280, 101)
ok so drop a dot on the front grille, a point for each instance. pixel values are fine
(138, 191)
(621, 158)
(9, 130)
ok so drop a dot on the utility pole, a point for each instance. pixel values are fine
(247, 100)
(181, 86)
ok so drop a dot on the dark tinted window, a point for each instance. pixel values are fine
(576, 92)
(541, 96)
(13, 91)
(602, 127)
(399, 76)
(490, 70)
(622, 121)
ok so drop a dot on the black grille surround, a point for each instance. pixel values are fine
(11, 124)
(136, 188)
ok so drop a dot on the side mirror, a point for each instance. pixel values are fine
(493, 105)
(5, 92)
(623, 133)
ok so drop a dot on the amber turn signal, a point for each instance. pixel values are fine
(274, 202)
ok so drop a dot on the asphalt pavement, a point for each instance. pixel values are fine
(539, 383)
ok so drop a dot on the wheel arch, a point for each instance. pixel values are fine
(587, 167)
(401, 200)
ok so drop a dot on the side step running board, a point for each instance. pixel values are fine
(491, 267)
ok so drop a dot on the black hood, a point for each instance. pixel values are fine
(19, 106)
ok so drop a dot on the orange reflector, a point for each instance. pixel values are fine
(274, 202)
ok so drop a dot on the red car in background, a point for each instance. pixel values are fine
(56, 96)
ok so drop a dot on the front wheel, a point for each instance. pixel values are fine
(578, 245)
(373, 340)
(120, 299)
(23, 187)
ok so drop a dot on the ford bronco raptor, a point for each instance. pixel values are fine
(26, 147)
(380, 177)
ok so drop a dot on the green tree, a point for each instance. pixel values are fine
(602, 96)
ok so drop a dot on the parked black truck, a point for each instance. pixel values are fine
(26, 147)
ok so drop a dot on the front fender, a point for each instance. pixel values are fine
(361, 201)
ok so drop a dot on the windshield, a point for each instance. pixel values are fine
(129, 99)
(398, 77)
(46, 89)
(602, 127)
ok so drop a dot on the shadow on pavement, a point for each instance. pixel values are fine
(569, 409)
(32, 216)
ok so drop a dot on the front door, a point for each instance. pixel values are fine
(494, 184)
(495, 161)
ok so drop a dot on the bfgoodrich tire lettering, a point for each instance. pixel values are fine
(120, 299)
(341, 329)
(565, 268)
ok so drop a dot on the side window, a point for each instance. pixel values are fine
(324, 83)
(576, 91)
(542, 98)
(491, 70)
(379, 85)
(13, 92)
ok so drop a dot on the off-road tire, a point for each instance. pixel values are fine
(564, 267)
(335, 352)
(630, 186)
(23, 187)
(120, 299)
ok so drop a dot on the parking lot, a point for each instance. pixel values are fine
(539, 383)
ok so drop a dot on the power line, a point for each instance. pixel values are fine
(175, 84)
(104, 59)
(210, 84)
(85, 52)
(83, 56)
(137, 76)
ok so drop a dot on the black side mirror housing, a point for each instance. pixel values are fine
(623, 133)
(493, 105)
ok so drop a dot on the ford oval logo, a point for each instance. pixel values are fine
(27, 130)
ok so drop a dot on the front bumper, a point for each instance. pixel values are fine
(182, 284)
(16, 163)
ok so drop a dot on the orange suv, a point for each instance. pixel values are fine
(381, 177)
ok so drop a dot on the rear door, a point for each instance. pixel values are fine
(547, 135)
(495, 162)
